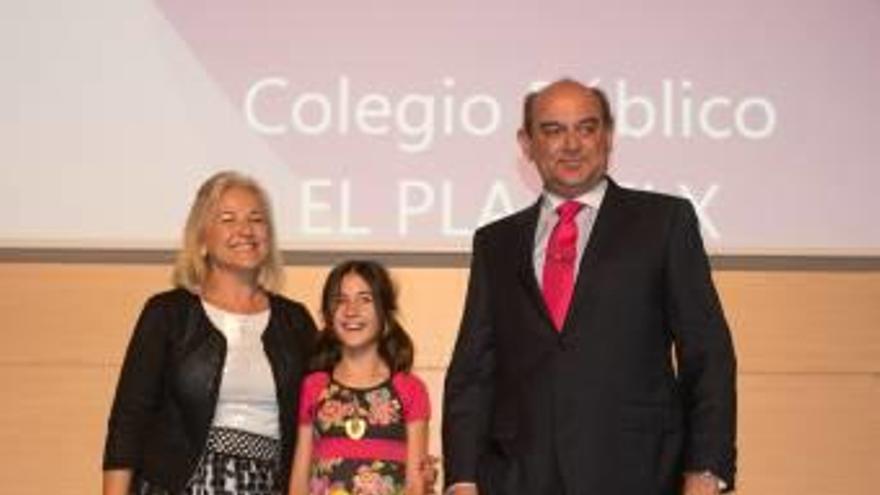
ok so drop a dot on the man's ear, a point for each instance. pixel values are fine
(525, 143)
(609, 140)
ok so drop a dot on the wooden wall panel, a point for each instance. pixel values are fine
(807, 341)
(73, 313)
(810, 322)
(52, 426)
(805, 434)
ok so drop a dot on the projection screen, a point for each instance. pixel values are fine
(390, 125)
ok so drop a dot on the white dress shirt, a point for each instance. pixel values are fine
(548, 218)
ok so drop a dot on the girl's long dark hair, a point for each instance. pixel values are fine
(395, 345)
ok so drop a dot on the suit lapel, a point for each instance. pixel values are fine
(525, 258)
(607, 221)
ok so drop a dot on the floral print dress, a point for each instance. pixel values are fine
(360, 433)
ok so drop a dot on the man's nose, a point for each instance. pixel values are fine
(571, 141)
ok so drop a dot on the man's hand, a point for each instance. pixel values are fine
(701, 484)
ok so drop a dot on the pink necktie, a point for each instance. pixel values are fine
(558, 276)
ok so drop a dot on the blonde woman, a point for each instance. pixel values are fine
(207, 397)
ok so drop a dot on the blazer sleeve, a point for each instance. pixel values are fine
(139, 388)
(704, 351)
(468, 390)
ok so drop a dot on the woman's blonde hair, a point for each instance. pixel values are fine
(191, 266)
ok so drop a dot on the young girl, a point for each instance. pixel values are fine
(363, 416)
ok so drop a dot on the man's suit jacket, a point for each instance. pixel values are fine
(638, 387)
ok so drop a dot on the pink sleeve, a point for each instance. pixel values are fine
(310, 390)
(414, 395)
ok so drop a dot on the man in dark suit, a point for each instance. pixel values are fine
(593, 356)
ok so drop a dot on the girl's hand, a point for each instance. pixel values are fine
(428, 470)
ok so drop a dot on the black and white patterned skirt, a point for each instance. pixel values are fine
(235, 462)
